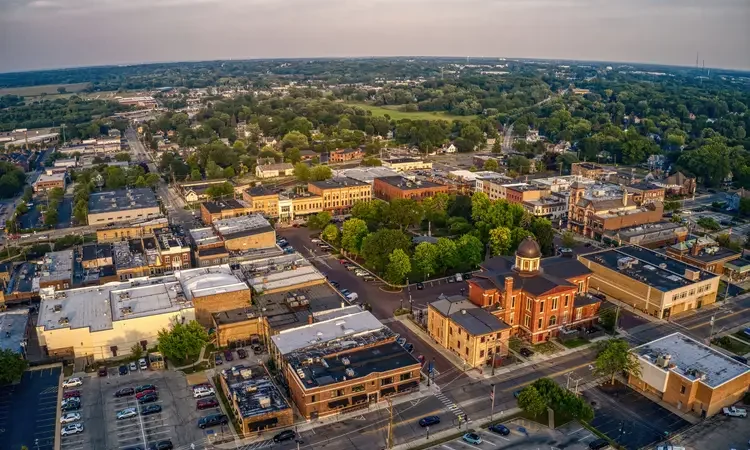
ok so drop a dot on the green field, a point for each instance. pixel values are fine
(395, 114)
(49, 89)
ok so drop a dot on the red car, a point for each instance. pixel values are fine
(141, 394)
(69, 394)
(343, 261)
(207, 403)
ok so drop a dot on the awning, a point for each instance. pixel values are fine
(387, 391)
(359, 399)
(338, 403)
(408, 386)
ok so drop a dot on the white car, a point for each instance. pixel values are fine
(202, 391)
(735, 412)
(133, 367)
(142, 364)
(361, 273)
(352, 296)
(72, 382)
(70, 417)
(73, 428)
(315, 241)
(126, 413)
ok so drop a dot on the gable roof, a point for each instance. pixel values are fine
(477, 321)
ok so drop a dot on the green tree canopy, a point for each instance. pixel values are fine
(12, 366)
(377, 247)
(614, 357)
(425, 259)
(183, 342)
(331, 234)
(398, 267)
(319, 221)
(353, 232)
(320, 173)
(302, 172)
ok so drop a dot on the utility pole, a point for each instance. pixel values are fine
(389, 442)
(711, 333)
(617, 317)
(492, 396)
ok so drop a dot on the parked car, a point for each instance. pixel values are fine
(343, 261)
(125, 392)
(525, 352)
(212, 420)
(148, 398)
(334, 284)
(70, 417)
(500, 429)
(162, 445)
(401, 341)
(472, 438)
(142, 394)
(516, 394)
(102, 372)
(241, 353)
(459, 277)
(73, 428)
(451, 279)
(145, 387)
(368, 278)
(316, 241)
(352, 296)
(203, 392)
(351, 267)
(70, 400)
(345, 292)
(420, 286)
(284, 436)
(126, 413)
(133, 367)
(71, 394)
(598, 444)
(150, 409)
(361, 273)
(72, 406)
(206, 403)
(735, 412)
(72, 382)
(409, 347)
(142, 364)
(746, 332)
(123, 370)
(217, 359)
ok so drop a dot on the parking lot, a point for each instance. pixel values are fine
(719, 431)
(526, 435)
(28, 410)
(629, 418)
(177, 420)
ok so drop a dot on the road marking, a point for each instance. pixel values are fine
(489, 442)
(449, 448)
(574, 432)
(415, 402)
(360, 418)
(469, 445)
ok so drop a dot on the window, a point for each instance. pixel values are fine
(682, 389)
(511, 318)
(565, 317)
(358, 388)
(539, 323)
(312, 399)
(554, 303)
(692, 292)
(481, 353)
(405, 376)
(567, 299)
(580, 286)
(466, 350)
(482, 340)
(541, 306)
(337, 393)
(386, 380)
(674, 298)
(450, 331)
(458, 344)
(553, 321)
(578, 313)
(513, 302)
(683, 295)
(526, 321)
(528, 304)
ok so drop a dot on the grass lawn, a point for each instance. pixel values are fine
(395, 114)
(50, 89)
(733, 345)
(741, 335)
(577, 342)
(546, 348)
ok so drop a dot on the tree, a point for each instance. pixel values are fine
(152, 180)
(220, 190)
(491, 164)
(294, 139)
(122, 157)
(569, 239)
(671, 205)
(140, 182)
(61, 90)
(403, 213)
(544, 234)
(607, 318)
(195, 175)
(615, 357)
(302, 172)
(353, 232)
(398, 267)
(519, 164)
(531, 401)
(426, 257)
(319, 221)
(183, 342)
(229, 172)
(371, 162)
(320, 173)
(136, 351)
(500, 241)
(470, 251)
(708, 223)
(377, 247)
(12, 366)
(331, 234)
(447, 255)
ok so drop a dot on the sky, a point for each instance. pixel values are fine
(37, 34)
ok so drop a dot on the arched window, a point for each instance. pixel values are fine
(553, 321)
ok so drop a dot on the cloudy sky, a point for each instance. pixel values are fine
(38, 34)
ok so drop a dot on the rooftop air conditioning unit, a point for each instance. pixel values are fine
(345, 361)
(63, 321)
(57, 308)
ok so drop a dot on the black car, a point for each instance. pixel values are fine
(241, 353)
(125, 392)
(213, 420)
(150, 409)
(284, 436)
(70, 406)
(428, 421)
(162, 445)
(409, 347)
(598, 444)
(500, 429)
(123, 370)
(420, 286)
(525, 352)
(102, 372)
(145, 387)
(148, 398)
(334, 284)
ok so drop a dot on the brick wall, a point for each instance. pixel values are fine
(225, 301)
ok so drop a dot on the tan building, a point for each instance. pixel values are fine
(246, 232)
(134, 230)
(646, 192)
(522, 192)
(472, 333)
(96, 255)
(689, 375)
(262, 200)
(124, 205)
(651, 282)
(704, 253)
(255, 400)
(274, 170)
(340, 194)
(49, 181)
(398, 187)
(406, 164)
(223, 209)
(588, 170)
(298, 205)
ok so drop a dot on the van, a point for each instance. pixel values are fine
(352, 296)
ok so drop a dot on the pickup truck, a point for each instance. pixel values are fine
(735, 412)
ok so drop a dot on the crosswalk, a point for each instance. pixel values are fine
(258, 445)
(449, 405)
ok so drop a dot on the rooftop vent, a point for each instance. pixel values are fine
(345, 361)
(57, 308)
(63, 321)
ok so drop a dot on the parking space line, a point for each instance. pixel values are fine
(489, 442)
(449, 448)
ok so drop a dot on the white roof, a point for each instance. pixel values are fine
(285, 278)
(209, 280)
(53, 177)
(294, 339)
(464, 174)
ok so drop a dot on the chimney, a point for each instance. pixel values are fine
(508, 292)
(309, 319)
(695, 249)
(624, 197)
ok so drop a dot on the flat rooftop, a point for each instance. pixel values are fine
(156, 222)
(254, 391)
(280, 272)
(128, 255)
(292, 308)
(338, 183)
(646, 266)
(692, 360)
(45, 178)
(241, 226)
(355, 325)
(204, 236)
(95, 251)
(325, 370)
(406, 184)
(365, 174)
(659, 227)
(13, 329)
(168, 242)
(56, 266)
(402, 160)
(122, 200)
(224, 205)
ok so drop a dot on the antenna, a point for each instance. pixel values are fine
(696, 59)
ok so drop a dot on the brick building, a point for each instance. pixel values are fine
(390, 188)
(345, 154)
(48, 181)
(645, 192)
(246, 232)
(262, 200)
(133, 230)
(689, 375)
(704, 253)
(589, 170)
(254, 399)
(223, 209)
(340, 194)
